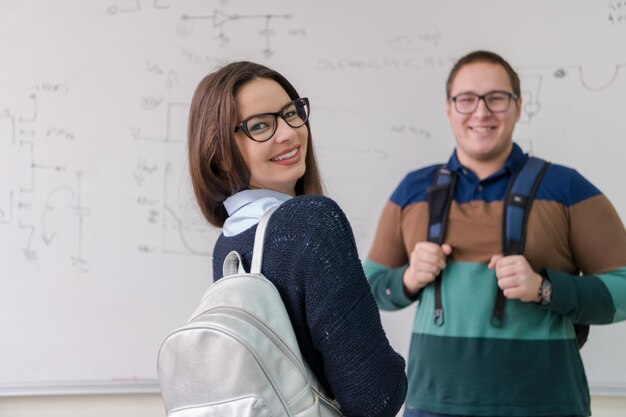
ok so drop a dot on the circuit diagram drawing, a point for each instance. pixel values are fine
(41, 202)
(192, 20)
(219, 21)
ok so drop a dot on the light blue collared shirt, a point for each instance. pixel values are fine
(246, 208)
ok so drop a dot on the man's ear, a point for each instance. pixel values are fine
(518, 113)
(448, 108)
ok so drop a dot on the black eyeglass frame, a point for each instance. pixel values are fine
(242, 126)
(482, 97)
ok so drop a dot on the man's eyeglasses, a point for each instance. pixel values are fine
(496, 101)
(261, 127)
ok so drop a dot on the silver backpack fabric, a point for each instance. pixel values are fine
(238, 355)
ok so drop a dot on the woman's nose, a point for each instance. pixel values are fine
(284, 132)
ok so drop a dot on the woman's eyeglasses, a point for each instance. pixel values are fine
(261, 127)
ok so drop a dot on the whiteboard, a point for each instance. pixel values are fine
(102, 248)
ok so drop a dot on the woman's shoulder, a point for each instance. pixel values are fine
(314, 218)
(311, 210)
(312, 202)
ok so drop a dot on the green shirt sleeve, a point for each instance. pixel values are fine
(386, 285)
(589, 299)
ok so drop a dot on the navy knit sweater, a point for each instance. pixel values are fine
(310, 256)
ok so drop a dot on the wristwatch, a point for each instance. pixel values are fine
(545, 291)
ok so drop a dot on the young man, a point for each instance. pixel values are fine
(528, 363)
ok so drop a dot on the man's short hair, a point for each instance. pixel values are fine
(484, 56)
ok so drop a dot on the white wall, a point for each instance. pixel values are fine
(150, 405)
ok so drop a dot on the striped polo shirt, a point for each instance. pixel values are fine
(530, 365)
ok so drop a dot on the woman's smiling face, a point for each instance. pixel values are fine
(279, 162)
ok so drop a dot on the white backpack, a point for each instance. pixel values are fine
(238, 355)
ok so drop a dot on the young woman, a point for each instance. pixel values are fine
(250, 149)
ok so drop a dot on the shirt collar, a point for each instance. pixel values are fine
(515, 159)
(246, 208)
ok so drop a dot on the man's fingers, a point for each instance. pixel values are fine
(435, 258)
(513, 293)
(427, 268)
(429, 247)
(494, 261)
(506, 283)
(505, 271)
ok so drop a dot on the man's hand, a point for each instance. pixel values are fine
(426, 262)
(516, 278)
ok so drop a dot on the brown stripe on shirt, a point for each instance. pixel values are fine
(595, 223)
(475, 233)
(387, 247)
(547, 237)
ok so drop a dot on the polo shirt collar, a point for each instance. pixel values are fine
(514, 161)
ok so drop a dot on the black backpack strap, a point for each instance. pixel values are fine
(440, 196)
(582, 334)
(517, 203)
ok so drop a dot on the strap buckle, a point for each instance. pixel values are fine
(438, 317)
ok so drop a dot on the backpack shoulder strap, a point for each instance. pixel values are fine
(233, 264)
(259, 238)
(439, 199)
(518, 200)
(517, 203)
(440, 196)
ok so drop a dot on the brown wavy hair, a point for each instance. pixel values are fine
(217, 168)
